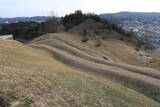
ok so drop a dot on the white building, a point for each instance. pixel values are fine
(4, 37)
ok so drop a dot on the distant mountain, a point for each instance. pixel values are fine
(130, 15)
(24, 19)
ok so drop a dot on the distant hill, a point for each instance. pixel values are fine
(130, 15)
(24, 19)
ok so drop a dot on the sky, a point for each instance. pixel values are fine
(19, 8)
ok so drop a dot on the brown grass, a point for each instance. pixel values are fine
(84, 53)
(32, 77)
(140, 82)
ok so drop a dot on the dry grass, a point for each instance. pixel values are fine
(145, 84)
(33, 77)
(85, 54)
(73, 53)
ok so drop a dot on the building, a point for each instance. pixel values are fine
(4, 37)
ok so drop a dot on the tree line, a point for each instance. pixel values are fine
(31, 30)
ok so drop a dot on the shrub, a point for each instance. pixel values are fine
(99, 42)
(3, 102)
(85, 39)
(98, 45)
(84, 32)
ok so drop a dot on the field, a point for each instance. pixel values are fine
(60, 70)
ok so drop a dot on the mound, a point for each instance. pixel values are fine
(60, 70)
(69, 50)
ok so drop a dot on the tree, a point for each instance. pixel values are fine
(77, 18)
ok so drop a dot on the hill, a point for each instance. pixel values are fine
(121, 16)
(86, 24)
(23, 19)
(60, 70)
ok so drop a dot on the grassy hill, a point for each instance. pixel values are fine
(60, 70)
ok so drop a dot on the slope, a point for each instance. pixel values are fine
(67, 49)
(39, 76)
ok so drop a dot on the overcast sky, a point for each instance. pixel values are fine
(13, 8)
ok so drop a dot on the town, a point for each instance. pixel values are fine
(146, 28)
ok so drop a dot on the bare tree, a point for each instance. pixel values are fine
(53, 22)
(52, 14)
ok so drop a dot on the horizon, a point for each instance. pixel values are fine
(29, 8)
